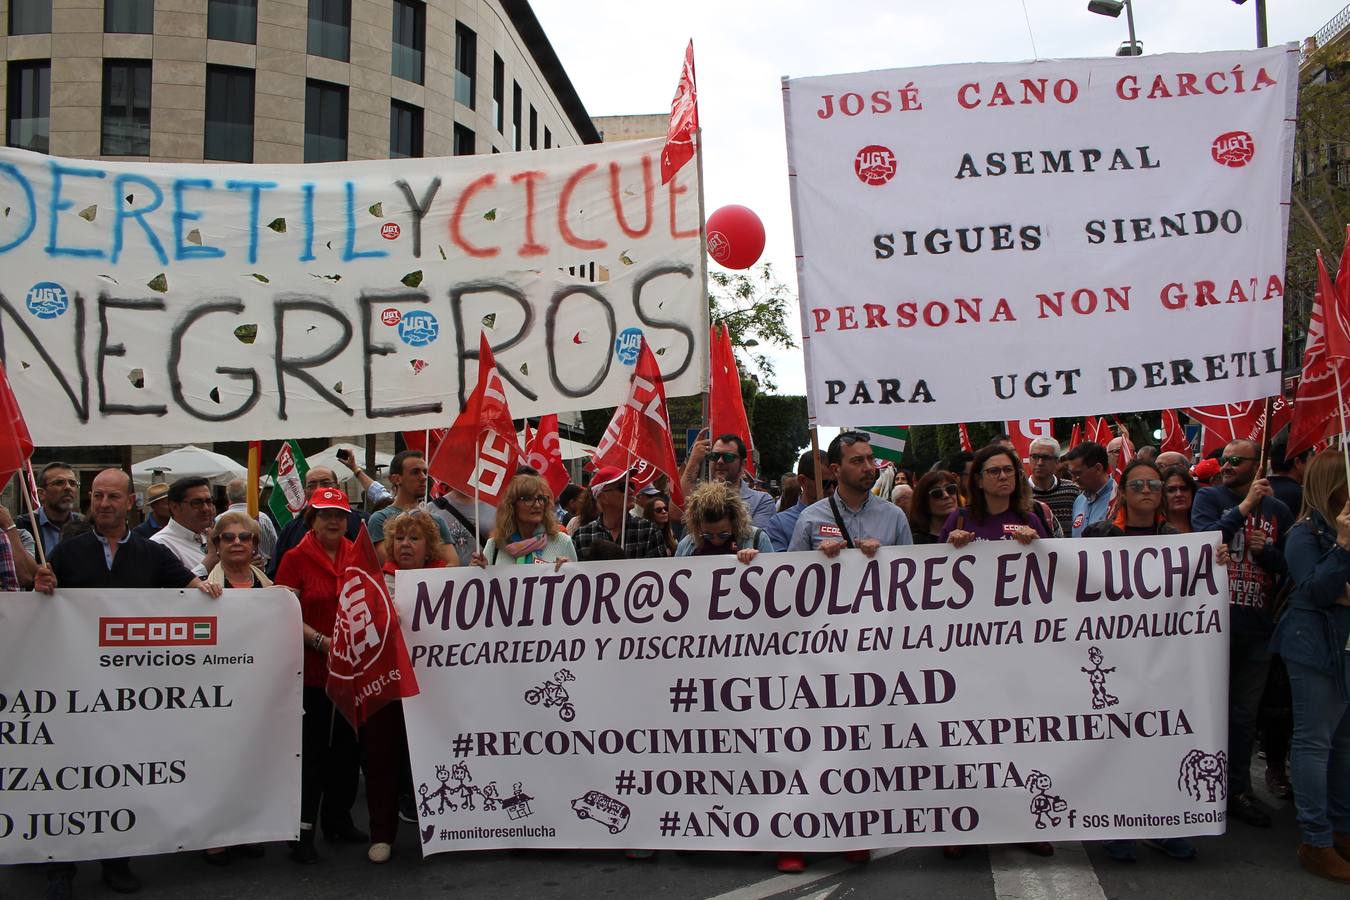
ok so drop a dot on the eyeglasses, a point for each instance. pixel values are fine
(716, 537)
(998, 471)
(1138, 485)
(200, 502)
(724, 456)
(230, 537)
(938, 493)
(1043, 457)
(1178, 489)
(61, 482)
(1236, 460)
(536, 498)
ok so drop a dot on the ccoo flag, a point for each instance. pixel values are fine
(288, 483)
(888, 441)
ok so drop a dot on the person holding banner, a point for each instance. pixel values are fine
(236, 537)
(935, 497)
(1313, 638)
(726, 457)
(526, 531)
(717, 521)
(328, 776)
(1001, 507)
(851, 517)
(110, 556)
(1254, 526)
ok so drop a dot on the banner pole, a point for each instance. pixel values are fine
(1340, 407)
(426, 452)
(1265, 437)
(254, 466)
(32, 511)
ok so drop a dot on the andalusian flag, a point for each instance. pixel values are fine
(888, 441)
(288, 483)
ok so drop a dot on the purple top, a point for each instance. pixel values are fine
(994, 528)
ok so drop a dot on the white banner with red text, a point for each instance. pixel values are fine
(138, 722)
(1042, 239)
(192, 303)
(931, 695)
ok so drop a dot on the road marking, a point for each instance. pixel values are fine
(1068, 875)
(818, 872)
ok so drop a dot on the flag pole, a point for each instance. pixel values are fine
(623, 520)
(1265, 432)
(426, 449)
(1340, 407)
(254, 466)
(477, 457)
(815, 464)
(32, 511)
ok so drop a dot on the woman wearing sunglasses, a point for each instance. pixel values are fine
(526, 530)
(717, 521)
(1178, 494)
(658, 513)
(935, 496)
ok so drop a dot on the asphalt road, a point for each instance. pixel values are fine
(1245, 863)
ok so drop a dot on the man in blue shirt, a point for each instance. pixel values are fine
(1089, 466)
(781, 525)
(853, 516)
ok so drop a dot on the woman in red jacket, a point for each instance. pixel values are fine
(329, 761)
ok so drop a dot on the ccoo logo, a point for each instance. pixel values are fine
(156, 631)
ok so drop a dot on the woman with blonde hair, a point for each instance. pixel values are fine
(717, 521)
(527, 530)
(1312, 638)
(235, 537)
(412, 540)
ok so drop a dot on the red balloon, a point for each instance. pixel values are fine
(735, 237)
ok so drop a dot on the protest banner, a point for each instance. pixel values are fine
(205, 302)
(137, 722)
(1094, 234)
(1065, 691)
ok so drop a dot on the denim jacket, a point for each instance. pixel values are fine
(1314, 629)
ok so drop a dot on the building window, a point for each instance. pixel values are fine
(232, 20)
(464, 141)
(330, 26)
(466, 65)
(30, 16)
(325, 122)
(534, 129)
(29, 108)
(229, 114)
(405, 130)
(126, 107)
(548, 139)
(410, 39)
(499, 94)
(129, 16)
(515, 115)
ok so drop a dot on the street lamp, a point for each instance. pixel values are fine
(1112, 8)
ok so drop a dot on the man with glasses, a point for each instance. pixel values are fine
(293, 532)
(726, 462)
(852, 517)
(192, 512)
(1046, 486)
(1090, 468)
(58, 490)
(1254, 525)
(782, 524)
(408, 475)
(639, 538)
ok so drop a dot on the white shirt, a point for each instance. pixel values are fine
(268, 543)
(188, 546)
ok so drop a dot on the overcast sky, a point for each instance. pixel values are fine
(624, 58)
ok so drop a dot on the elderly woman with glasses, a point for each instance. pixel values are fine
(235, 539)
(935, 496)
(717, 521)
(526, 530)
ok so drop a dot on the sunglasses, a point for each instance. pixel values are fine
(716, 537)
(1138, 485)
(724, 456)
(230, 537)
(1236, 460)
(1043, 457)
(535, 498)
(658, 509)
(200, 502)
(938, 493)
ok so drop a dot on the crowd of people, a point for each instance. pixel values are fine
(1285, 539)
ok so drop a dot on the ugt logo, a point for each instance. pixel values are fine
(1234, 149)
(874, 164)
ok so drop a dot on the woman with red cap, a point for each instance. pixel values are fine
(329, 761)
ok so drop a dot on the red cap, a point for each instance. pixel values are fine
(1205, 470)
(606, 475)
(330, 498)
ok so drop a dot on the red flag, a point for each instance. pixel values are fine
(726, 409)
(679, 147)
(542, 452)
(368, 664)
(1336, 333)
(480, 451)
(1315, 412)
(1126, 452)
(964, 435)
(1174, 437)
(1076, 435)
(1023, 432)
(1097, 430)
(640, 429)
(417, 440)
(16, 444)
